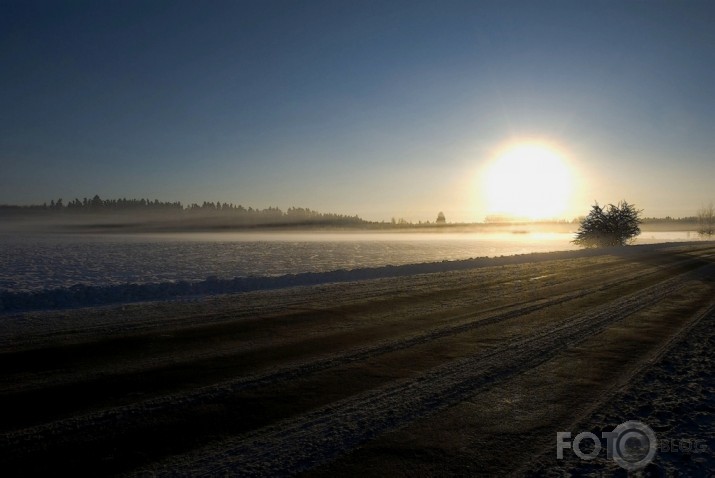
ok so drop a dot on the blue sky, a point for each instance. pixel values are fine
(377, 108)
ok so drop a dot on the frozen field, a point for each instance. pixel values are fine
(39, 262)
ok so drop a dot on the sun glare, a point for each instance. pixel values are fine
(528, 181)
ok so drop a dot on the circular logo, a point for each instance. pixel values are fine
(635, 445)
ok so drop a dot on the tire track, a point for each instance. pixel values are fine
(316, 437)
(95, 424)
(541, 464)
(52, 378)
(131, 416)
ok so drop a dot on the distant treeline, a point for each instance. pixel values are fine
(670, 220)
(221, 214)
(237, 214)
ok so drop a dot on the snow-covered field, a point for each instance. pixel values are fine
(62, 271)
(54, 271)
(36, 262)
(40, 262)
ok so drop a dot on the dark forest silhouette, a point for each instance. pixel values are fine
(235, 214)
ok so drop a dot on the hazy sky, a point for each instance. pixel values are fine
(377, 108)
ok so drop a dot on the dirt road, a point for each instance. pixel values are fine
(464, 372)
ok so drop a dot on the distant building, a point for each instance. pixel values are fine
(440, 218)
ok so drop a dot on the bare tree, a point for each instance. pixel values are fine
(706, 220)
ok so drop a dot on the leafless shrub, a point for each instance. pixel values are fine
(706, 220)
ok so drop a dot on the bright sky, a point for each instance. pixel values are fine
(377, 108)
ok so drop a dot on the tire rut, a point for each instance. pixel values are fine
(131, 415)
(302, 442)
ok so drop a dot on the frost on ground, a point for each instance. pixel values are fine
(674, 396)
(30, 263)
(291, 445)
(107, 284)
(430, 373)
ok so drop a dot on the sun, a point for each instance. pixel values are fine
(528, 181)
